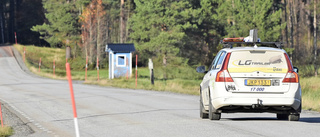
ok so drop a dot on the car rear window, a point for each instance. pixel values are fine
(263, 61)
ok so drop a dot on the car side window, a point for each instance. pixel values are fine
(220, 61)
(214, 61)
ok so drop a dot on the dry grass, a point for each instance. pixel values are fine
(159, 85)
(310, 93)
(6, 131)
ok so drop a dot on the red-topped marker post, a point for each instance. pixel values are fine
(98, 68)
(76, 125)
(54, 67)
(24, 54)
(39, 65)
(136, 70)
(86, 68)
(15, 37)
(1, 115)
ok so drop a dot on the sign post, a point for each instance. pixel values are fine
(151, 71)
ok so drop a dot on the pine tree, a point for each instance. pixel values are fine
(62, 27)
(157, 29)
(242, 16)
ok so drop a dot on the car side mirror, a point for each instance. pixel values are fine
(201, 69)
(295, 69)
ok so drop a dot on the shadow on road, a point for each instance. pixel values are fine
(253, 119)
(302, 119)
(310, 119)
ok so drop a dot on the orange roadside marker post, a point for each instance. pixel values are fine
(76, 125)
(15, 37)
(98, 68)
(24, 54)
(39, 65)
(1, 115)
(136, 70)
(86, 68)
(54, 67)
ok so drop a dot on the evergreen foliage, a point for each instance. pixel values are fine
(241, 16)
(62, 27)
(174, 33)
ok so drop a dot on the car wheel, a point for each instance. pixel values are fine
(294, 117)
(213, 115)
(282, 116)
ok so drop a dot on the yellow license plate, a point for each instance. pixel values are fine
(257, 82)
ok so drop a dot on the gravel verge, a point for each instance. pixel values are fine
(21, 129)
(21, 126)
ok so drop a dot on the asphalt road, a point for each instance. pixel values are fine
(45, 105)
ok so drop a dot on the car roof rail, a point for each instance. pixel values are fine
(230, 44)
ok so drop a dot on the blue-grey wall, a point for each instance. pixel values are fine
(122, 71)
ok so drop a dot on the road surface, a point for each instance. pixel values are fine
(45, 105)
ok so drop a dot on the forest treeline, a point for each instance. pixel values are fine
(183, 33)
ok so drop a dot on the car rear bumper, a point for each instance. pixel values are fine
(221, 102)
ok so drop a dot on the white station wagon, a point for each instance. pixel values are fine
(250, 79)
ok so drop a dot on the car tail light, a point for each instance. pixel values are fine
(223, 75)
(291, 76)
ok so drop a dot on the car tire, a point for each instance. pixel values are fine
(282, 116)
(213, 115)
(294, 117)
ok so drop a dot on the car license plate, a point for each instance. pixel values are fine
(257, 82)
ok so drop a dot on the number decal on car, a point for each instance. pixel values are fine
(257, 89)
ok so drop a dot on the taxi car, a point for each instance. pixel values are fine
(250, 79)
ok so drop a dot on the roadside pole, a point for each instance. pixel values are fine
(98, 68)
(150, 64)
(39, 65)
(127, 68)
(86, 68)
(76, 125)
(15, 37)
(24, 54)
(127, 77)
(54, 67)
(1, 115)
(136, 70)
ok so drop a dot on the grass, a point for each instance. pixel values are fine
(6, 131)
(310, 93)
(185, 86)
(309, 85)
